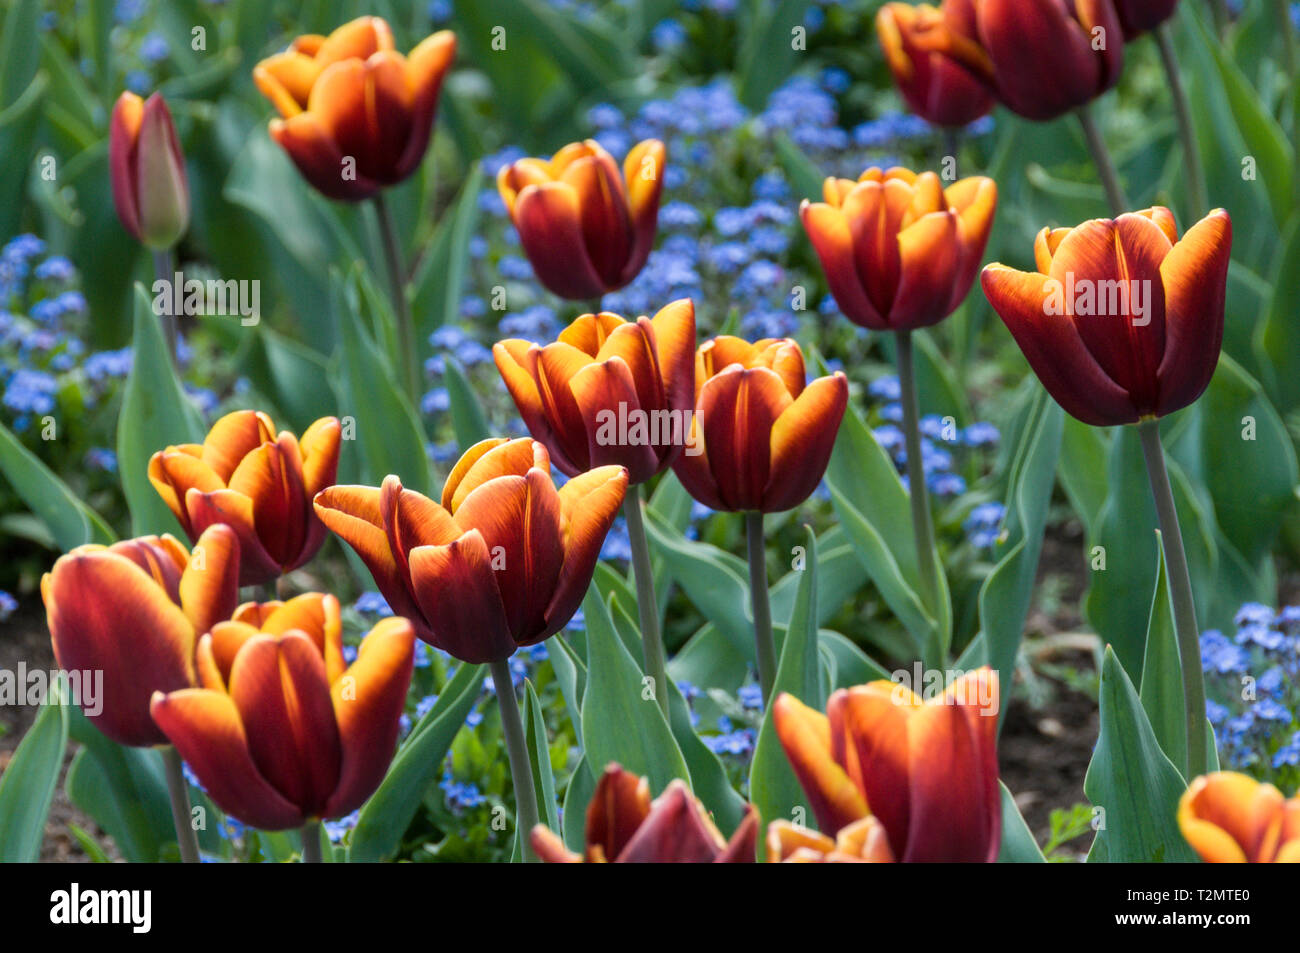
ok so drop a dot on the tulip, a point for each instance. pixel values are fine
(584, 395)
(1050, 56)
(586, 227)
(1123, 320)
(281, 732)
(864, 841)
(1231, 818)
(150, 190)
(937, 62)
(503, 562)
(900, 251)
(625, 827)
(927, 770)
(1139, 16)
(356, 115)
(259, 484)
(134, 611)
(760, 439)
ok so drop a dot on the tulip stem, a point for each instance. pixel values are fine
(405, 327)
(1103, 161)
(922, 522)
(311, 843)
(521, 772)
(1180, 590)
(652, 643)
(1186, 131)
(764, 646)
(164, 270)
(179, 794)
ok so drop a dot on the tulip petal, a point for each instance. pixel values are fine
(320, 454)
(286, 80)
(643, 170)
(233, 437)
(803, 437)
(805, 735)
(588, 505)
(618, 806)
(738, 409)
(930, 256)
(123, 157)
(209, 587)
(828, 230)
(742, 848)
(634, 343)
(605, 395)
(487, 460)
(602, 207)
(456, 590)
(317, 616)
(784, 840)
(320, 160)
(222, 645)
(1229, 817)
(557, 365)
(674, 338)
(975, 200)
(550, 848)
(173, 473)
(549, 220)
(676, 831)
(412, 519)
(516, 360)
(869, 735)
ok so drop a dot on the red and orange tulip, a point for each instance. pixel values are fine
(1139, 16)
(760, 439)
(587, 227)
(927, 769)
(151, 191)
(1231, 818)
(862, 842)
(258, 483)
(134, 611)
(281, 731)
(356, 115)
(1050, 56)
(937, 61)
(900, 251)
(603, 370)
(503, 562)
(625, 827)
(1123, 320)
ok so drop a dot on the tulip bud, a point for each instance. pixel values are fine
(1231, 818)
(936, 60)
(150, 190)
(1139, 16)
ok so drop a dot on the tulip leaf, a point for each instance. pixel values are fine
(1018, 844)
(673, 505)
(19, 56)
(709, 659)
(1008, 590)
(621, 721)
(840, 575)
(1132, 780)
(440, 273)
(467, 417)
(539, 758)
(70, 521)
(582, 785)
(418, 763)
(156, 413)
(1162, 671)
(293, 377)
(847, 664)
(388, 432)
(27, 786)
(1279, 339)
(571, 676)
(767, 48)
(805, 175)
(1082, 471)
(20, 121)
(773, 787)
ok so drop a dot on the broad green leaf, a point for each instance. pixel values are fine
(1279, 339)
(294, 377)
(155, 414)
(767, 48)
(847, 664)
(582, 785)
(440, 274)
(70, 521)
(1018, 844)
(1083, 469)
(571, 675)
(27, 786)
(467, 417)
(417, 764)
(539, 757)
(1162, 672)
(1132, 780)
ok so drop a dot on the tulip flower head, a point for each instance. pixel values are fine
(134, 611)
(927, 770)
(355, 114)
(586, 227)
(763, 439)
(258, 483)
(625, 827)
(864, 841)
(609, 391)
(936, 60)
(151, 191)
(1123, 319)
(900, 251)
(502, 562)
(1139, 16)
(1231, 818)
(281, 731)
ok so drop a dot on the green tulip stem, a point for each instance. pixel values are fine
(410, 357)
(521, 772)
(164, 269)
(652, 642)
(1186, 131)
(595, 304)
(1103, 161)
(764, 646)
(178, 792)
(1180, 590)
(311, 843)
(922, 522)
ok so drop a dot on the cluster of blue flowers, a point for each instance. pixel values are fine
(1254, 685)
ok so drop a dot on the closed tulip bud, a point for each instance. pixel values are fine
(1231, 818)
(259, 484)
(150, 189)
(281, 731)
(1139, 16)
(1051, 56)
(134, 612)
(937, 62)
(899, 251)
(1123, 320)
(760, 440)
(926, 770)
(625, 827)
(587, 227)
(355, 114)
(503, 562)
(609, 391)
